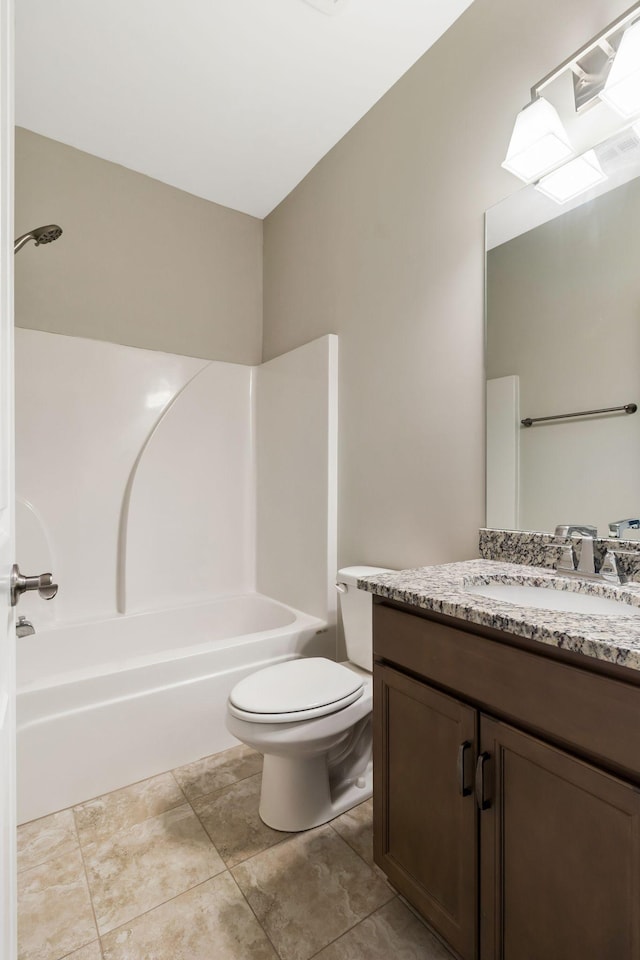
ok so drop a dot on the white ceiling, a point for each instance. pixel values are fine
(231, 100)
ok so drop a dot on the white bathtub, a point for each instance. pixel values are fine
(105, 703)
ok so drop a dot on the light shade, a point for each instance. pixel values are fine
(538, 143)
(622, 89)
(573, 178)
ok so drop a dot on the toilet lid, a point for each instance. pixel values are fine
(296, 689)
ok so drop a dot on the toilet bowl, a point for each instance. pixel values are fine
(311, 719)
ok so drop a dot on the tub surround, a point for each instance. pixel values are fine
(532, 549)
(441, 589)
(296, 477)
(169, 464)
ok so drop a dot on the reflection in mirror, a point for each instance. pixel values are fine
(563, 335)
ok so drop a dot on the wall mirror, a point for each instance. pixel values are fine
(562, 337)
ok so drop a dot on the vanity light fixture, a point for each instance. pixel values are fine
(538, 143)
(622, 88)
(606, 67)
(573, 178)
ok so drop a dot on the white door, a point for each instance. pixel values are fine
(8, 950)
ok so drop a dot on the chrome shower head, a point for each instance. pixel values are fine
(41, 235)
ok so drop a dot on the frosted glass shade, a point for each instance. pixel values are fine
(538, 143)
(622, 90)
(573, 178)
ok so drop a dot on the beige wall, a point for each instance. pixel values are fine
(382, 243)
(140, 263)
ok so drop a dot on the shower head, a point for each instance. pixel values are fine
(41, 235)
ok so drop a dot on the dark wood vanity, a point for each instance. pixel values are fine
(507, 789)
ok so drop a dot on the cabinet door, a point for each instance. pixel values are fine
(560, 854)
(425, 816)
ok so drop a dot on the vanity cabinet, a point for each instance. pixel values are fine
(506, 800)
(429, 846)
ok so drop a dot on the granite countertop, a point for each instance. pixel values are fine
(610, 637)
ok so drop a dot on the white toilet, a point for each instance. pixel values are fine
(311, 718)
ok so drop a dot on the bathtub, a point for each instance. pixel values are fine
(101, 704)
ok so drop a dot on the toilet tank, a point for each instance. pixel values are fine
(357, 614)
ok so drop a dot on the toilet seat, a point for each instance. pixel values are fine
(295, 690)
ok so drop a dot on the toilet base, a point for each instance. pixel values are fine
(297, 793)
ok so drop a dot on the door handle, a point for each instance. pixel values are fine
(20, 584)
(481, 799)
(466, 789)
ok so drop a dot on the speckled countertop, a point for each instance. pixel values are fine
(610, 637)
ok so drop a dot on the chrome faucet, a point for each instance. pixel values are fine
(576, 530)
(586, 568)
(586, 563)
(617, 529)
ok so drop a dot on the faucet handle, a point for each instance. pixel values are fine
(567, 559)
(43, 583)
(609, 570)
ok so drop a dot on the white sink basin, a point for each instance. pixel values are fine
(548, 598)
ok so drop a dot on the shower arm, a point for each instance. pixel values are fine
(22, 241)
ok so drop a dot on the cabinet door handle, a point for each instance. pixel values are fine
(466, 789)
(481, 800)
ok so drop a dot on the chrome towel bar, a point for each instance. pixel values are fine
(626, 408)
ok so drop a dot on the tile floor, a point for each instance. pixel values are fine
(180, 867)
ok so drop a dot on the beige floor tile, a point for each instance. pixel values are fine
(391, 932)
(140, 867)
(45, 839)
(54, 910)
(100, 818)
(308, 890)
(356, 827)
(231, 819)
(91, 952)
(218, 771)
(210, 922)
